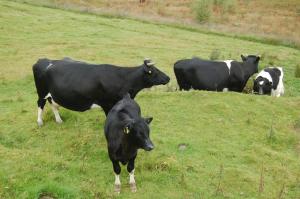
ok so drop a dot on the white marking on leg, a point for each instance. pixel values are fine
(131, 177)
(225, 89)
(132, 181)
(117, 184)
(54, 108)
(117, 180)
(95, 106)
(228, 63)
(40, 116)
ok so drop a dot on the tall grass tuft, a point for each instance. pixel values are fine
(203, 10)
(225, 5)
(297, 71)
(215, 55)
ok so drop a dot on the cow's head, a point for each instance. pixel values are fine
(262, 86)
(138, 132)
(153, 76)
(251, 61)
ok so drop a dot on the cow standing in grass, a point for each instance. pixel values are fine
(269, 81)
(80, 86)
(126, 132)
(227, 75)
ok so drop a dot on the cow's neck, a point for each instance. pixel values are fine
(248, 70)
(128, 146)
(135, 81)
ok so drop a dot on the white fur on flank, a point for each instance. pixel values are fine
(264, 74)
(228, 63)
(280, 88)
(40, 116)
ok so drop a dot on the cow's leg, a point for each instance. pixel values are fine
(41, 104)
(130, 169)
(117, 170)
(54, 108)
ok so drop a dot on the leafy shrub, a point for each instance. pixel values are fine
(203, 10)
(297, 71)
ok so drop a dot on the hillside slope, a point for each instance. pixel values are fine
(276, 19)
(230, 137)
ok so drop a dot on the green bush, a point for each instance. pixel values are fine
(203, 10)
(297, 71)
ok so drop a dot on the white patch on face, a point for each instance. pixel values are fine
(40, 116)
(225, 89)
(261, 82)
(131, 177)
(117, 180)
(95, 106)
(228, 63)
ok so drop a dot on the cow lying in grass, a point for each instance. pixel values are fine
(126, 132)
(269, 81)
(80, 86)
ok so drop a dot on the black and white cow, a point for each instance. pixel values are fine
(227, 75)
(126, 131)
(269, 81)
(79, 86)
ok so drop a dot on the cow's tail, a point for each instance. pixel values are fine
(39, 72)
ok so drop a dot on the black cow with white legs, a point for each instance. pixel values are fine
(80, 86)
(227, 75)
(269, 81)
(126, 131)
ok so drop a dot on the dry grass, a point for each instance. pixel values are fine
(272, 19)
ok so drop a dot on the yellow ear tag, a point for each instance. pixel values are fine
(126, 130)
(150, 72)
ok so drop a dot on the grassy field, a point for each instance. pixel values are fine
(235, 17)
(238, 145)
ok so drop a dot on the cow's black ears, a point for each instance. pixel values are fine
(257, 59)
(148, 120)
(243, 57)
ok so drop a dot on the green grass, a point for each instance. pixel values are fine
(71, 161)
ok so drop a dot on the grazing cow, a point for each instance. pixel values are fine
(126, 132)
(79, 86)
(215, 75)
(269, 81)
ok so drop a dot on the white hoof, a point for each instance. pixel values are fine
(59, 121)
(40, 123)
(117, 188)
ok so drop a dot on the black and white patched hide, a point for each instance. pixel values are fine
(269, 81)
(229, 75)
